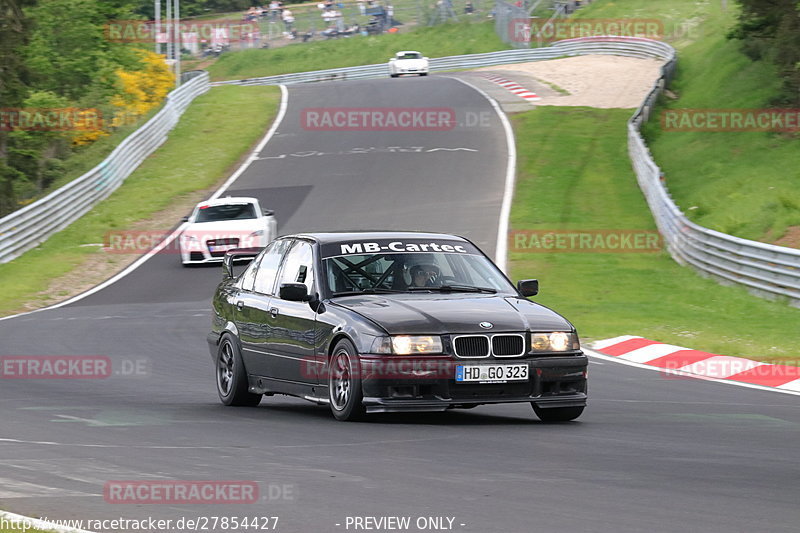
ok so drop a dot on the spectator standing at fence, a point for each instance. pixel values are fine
(339, 19)
(362, 7)
(274, 10)
(288, 19)
(390, 14)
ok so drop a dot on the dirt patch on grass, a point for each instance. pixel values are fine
(791, 238)
(593, 81)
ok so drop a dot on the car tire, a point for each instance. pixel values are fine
(393, 75)
(344, 383)
(423, 74)
(231, 377)
(557, 414)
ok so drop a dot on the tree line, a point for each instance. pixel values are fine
(770, 30)
(56, 55)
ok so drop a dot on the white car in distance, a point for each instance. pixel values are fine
(408, 62)
(216, 226)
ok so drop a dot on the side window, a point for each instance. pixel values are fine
(299, 266)
(249, 275)
(268, 267)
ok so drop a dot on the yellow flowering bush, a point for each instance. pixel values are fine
(141, 90)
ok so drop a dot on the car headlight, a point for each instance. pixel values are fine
(557, 341)
(257, 233)
(407, 345)
(188, 239)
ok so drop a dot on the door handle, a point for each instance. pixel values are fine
(240, 305)
(273, 312)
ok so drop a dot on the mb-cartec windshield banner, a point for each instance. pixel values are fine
(393, 246)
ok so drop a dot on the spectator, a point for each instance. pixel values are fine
(339, 19)
(469, 9)
(274, 10)
(288, 19)
(362, 7)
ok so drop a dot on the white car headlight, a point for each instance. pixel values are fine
(408, 344)
(557, 341)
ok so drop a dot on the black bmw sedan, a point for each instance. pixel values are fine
(385, 322)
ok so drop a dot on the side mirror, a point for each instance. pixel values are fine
(237, 254)
(528, 287)
(185, 219)
(267, 212)
(294, 292)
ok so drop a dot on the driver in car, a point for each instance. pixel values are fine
(424, 276)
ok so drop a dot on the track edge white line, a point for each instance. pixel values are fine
(501, 249)
(139, 262)
(598, 355)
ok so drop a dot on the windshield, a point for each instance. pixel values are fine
(214, 213)
(407, 272)
(410, 55)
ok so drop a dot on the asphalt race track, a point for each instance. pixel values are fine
(651, 453)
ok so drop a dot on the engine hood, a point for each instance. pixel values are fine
(440, 314)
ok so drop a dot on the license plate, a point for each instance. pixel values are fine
(491, 373)
(221, 247)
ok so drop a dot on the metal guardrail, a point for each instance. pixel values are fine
(765, 269)
(633, 47)
(26, 228)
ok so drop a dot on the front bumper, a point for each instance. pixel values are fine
(554, 381)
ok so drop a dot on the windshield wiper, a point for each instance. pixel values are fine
(365, 291)
(455, 288)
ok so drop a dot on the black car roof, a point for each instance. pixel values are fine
(348, 236)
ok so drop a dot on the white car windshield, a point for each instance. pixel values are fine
(410, 55)
(215, 213)
(410, 272)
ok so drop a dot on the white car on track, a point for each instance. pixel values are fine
(216, 226)
(408, 62)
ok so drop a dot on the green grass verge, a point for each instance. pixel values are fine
(574, 173)
(7, 525)
(434, 41)
(21, 530)
(211, 137)
(741, 183)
